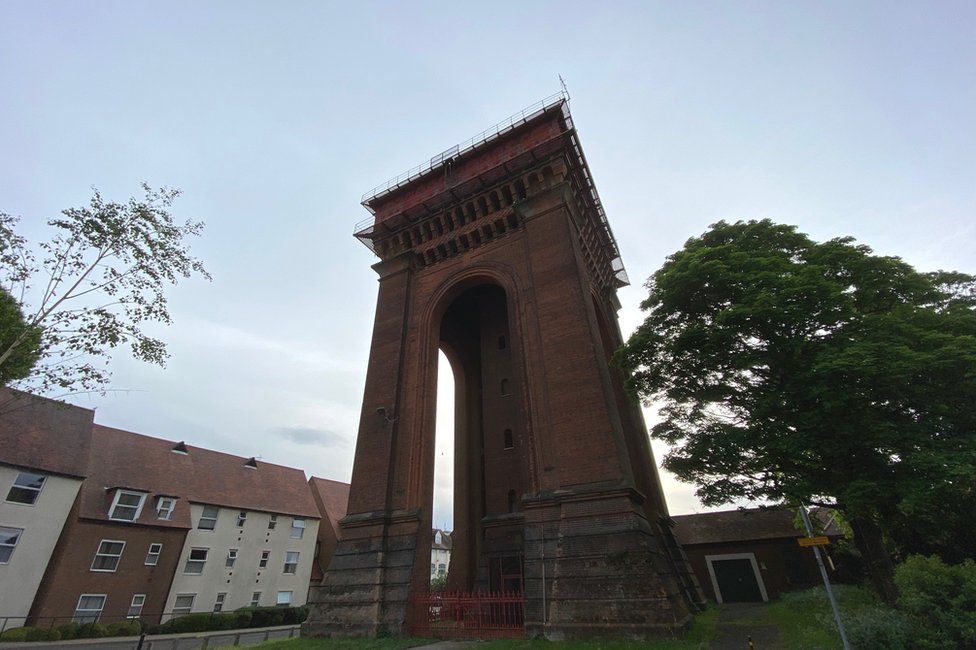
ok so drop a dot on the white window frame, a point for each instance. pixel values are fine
(219, 602)
(154, 556)
(273, 522)
(278, 602)
(98, 554)
(255, 599)
(735, 556)
(179, 611)
(133, 605)
(20, 533)
(265, 558)
(231, 558)
(99, 611)
(203, 562)
(204, 517)
(29, 488)
(297, 524)
(294, 564)
(241, 518)
(160, 510)
(115, 503)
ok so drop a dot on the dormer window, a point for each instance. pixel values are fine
(180, 448)
(251, 463)
(127, 505)
(164, 507)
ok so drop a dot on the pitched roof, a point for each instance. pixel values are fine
(139, 462)
(744, 524)
(447, 539)
(334, 496)
(44, 434)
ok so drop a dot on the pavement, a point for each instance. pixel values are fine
(740, 623)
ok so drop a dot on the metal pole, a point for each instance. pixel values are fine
(542, 551)
(826, 580)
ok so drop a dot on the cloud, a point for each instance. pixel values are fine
(310, 436)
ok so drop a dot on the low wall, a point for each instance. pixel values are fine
(188, 641)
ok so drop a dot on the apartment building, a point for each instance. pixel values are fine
(104, 524)
(441, 544)
(39, 484)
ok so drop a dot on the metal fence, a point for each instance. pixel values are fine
(147, 620)
(467, 615)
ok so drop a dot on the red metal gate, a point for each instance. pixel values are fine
(467, 615)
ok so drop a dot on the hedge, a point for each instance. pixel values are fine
(246, 617)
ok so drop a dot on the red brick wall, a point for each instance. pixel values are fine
(69, 573)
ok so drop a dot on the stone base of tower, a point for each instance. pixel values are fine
(595, 567)
(366, 589)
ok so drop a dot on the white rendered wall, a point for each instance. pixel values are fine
(42, 523)
(245, 577)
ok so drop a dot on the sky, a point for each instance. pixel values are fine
(273, 119)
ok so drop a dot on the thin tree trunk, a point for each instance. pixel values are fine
(881, 569)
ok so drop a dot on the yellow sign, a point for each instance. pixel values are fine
(813, 541)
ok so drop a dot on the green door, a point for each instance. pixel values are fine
(736, 581)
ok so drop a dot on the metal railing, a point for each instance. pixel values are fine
(467, 614)
(461, 148)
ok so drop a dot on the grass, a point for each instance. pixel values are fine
(806, 621)
(697, 636)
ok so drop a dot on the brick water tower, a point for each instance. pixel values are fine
(498, 253)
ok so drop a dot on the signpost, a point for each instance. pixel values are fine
(816, 543)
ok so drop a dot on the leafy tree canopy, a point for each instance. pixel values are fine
(92, 287)
(810, 372)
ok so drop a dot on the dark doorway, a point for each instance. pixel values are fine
(736, 581)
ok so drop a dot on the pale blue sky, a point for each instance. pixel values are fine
(273, 118)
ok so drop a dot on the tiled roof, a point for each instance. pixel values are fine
(334, 496)
(447, 539)
(740, 525)
(135, 461)
(44, 434)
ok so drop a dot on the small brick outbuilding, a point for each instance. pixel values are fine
(749, 554)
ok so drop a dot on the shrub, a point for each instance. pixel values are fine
(16, 634)
(41, 634)
(878, 628)
(267, 616)
(129, 627)
(68, 631)
(939, 600)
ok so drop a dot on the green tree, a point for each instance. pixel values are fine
(99, 280)
(812, 373)
(14, 327)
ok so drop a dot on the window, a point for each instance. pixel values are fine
(284, 599)
(264, 559)
(272, 522)
(219, 603)
(441, 569)
(164, 507)
(26, 488)
(127, 505)
(152, 557)
(241, 518)
(208, 518)
(291, 562)
(256, 599)
(231, 557)
(183, 604)
(433, 568)
(512, 501)
(8, 541)
(509, 439)
(196, 560)
(297, 527)
(505, 389)
(135, 609)
(108, 555)
(89, 608)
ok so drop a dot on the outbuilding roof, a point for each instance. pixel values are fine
(334, 496)
(743, 524)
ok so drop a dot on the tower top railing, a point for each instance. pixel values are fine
(461, 148)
